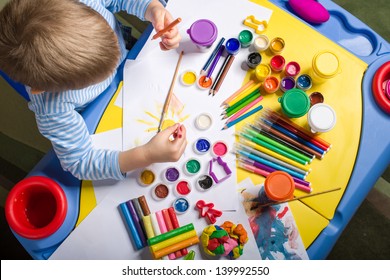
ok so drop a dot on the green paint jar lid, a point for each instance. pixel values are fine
(245, 37)
(295, 103)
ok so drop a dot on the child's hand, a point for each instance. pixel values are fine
(160, 18)
(167, 145)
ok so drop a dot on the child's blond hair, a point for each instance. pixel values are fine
(56, 45)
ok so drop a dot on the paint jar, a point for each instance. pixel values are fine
(160, 192)
(219, 149)
(204, 84)
(295, 103)
(315, 98)
(146, 177)
(277, 45)
(36, 207)
(203, 34)
(277, 63)
(321, 118)
(253, 60)
(278, 186)
(245, 37)
(261, 43)
(182, 188)
(271, 84)
(171, 175)
(204, 182)
(191, 166)
(202, 146)
(203, 121)
(232, 46)
(262, 71)
(188, 77)
(292, 69)
(304, 82)
(181, 205)
(325, 66)
(287, 83)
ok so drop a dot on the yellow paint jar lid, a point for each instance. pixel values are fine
(262, 71)
(326, 64)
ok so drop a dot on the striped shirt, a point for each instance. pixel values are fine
(58, 116)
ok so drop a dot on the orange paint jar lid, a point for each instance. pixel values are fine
(279, 186)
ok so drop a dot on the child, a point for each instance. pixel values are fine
(66, 53)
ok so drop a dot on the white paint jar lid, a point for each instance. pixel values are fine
(321, 118)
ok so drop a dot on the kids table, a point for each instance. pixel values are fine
(365, 59)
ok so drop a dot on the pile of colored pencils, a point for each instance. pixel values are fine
(242, 104)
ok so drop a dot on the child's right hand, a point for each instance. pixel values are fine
(167, 145)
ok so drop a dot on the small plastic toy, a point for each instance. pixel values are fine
(258, 25)
(224, 166)
(207, 210)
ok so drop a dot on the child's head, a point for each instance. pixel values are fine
(55, 45)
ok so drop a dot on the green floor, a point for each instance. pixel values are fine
(366, 236)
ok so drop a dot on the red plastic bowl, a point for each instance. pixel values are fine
(36, 207)
(380, 77)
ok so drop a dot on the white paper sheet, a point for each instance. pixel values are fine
(147, 81)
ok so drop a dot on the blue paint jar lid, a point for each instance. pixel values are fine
(202, 146)
(181, 205)
(232, 46)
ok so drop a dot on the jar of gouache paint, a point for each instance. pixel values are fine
(262, 71)
(203, 34)
(304, 82)
(295, 103)
(278, 186)
(277, 63)
(232, 46)
(292, 69)
(325, 66)
(204, 182)
(253, 60)
(277, 45)
(192, 166)
(245, 37)
(287, 83)
(183, 188)
(271, 84)
(321, 118)
(36, 207)
(261, 43)
(171, 174)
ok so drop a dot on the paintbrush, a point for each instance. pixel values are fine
(289, 200)
(170, 93)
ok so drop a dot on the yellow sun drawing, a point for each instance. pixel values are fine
(174, 115)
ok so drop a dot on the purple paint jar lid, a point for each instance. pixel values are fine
(171, 174)
(203, 32)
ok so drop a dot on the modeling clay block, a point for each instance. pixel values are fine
(310, 10)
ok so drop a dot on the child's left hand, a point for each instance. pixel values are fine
(160, 18)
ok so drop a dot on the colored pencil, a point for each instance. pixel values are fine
(274, 154)
(170, 93)
(243, 117)
(131, 226)
(213, 54)
(215, 62)
(246, 108)
(177, 246)
(229, 63)
(241, 89)
(295, 198)
(241, 103)
(243, 95)
(167, 28)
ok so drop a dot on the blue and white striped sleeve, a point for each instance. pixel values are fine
(134, 7)
(73, 145)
